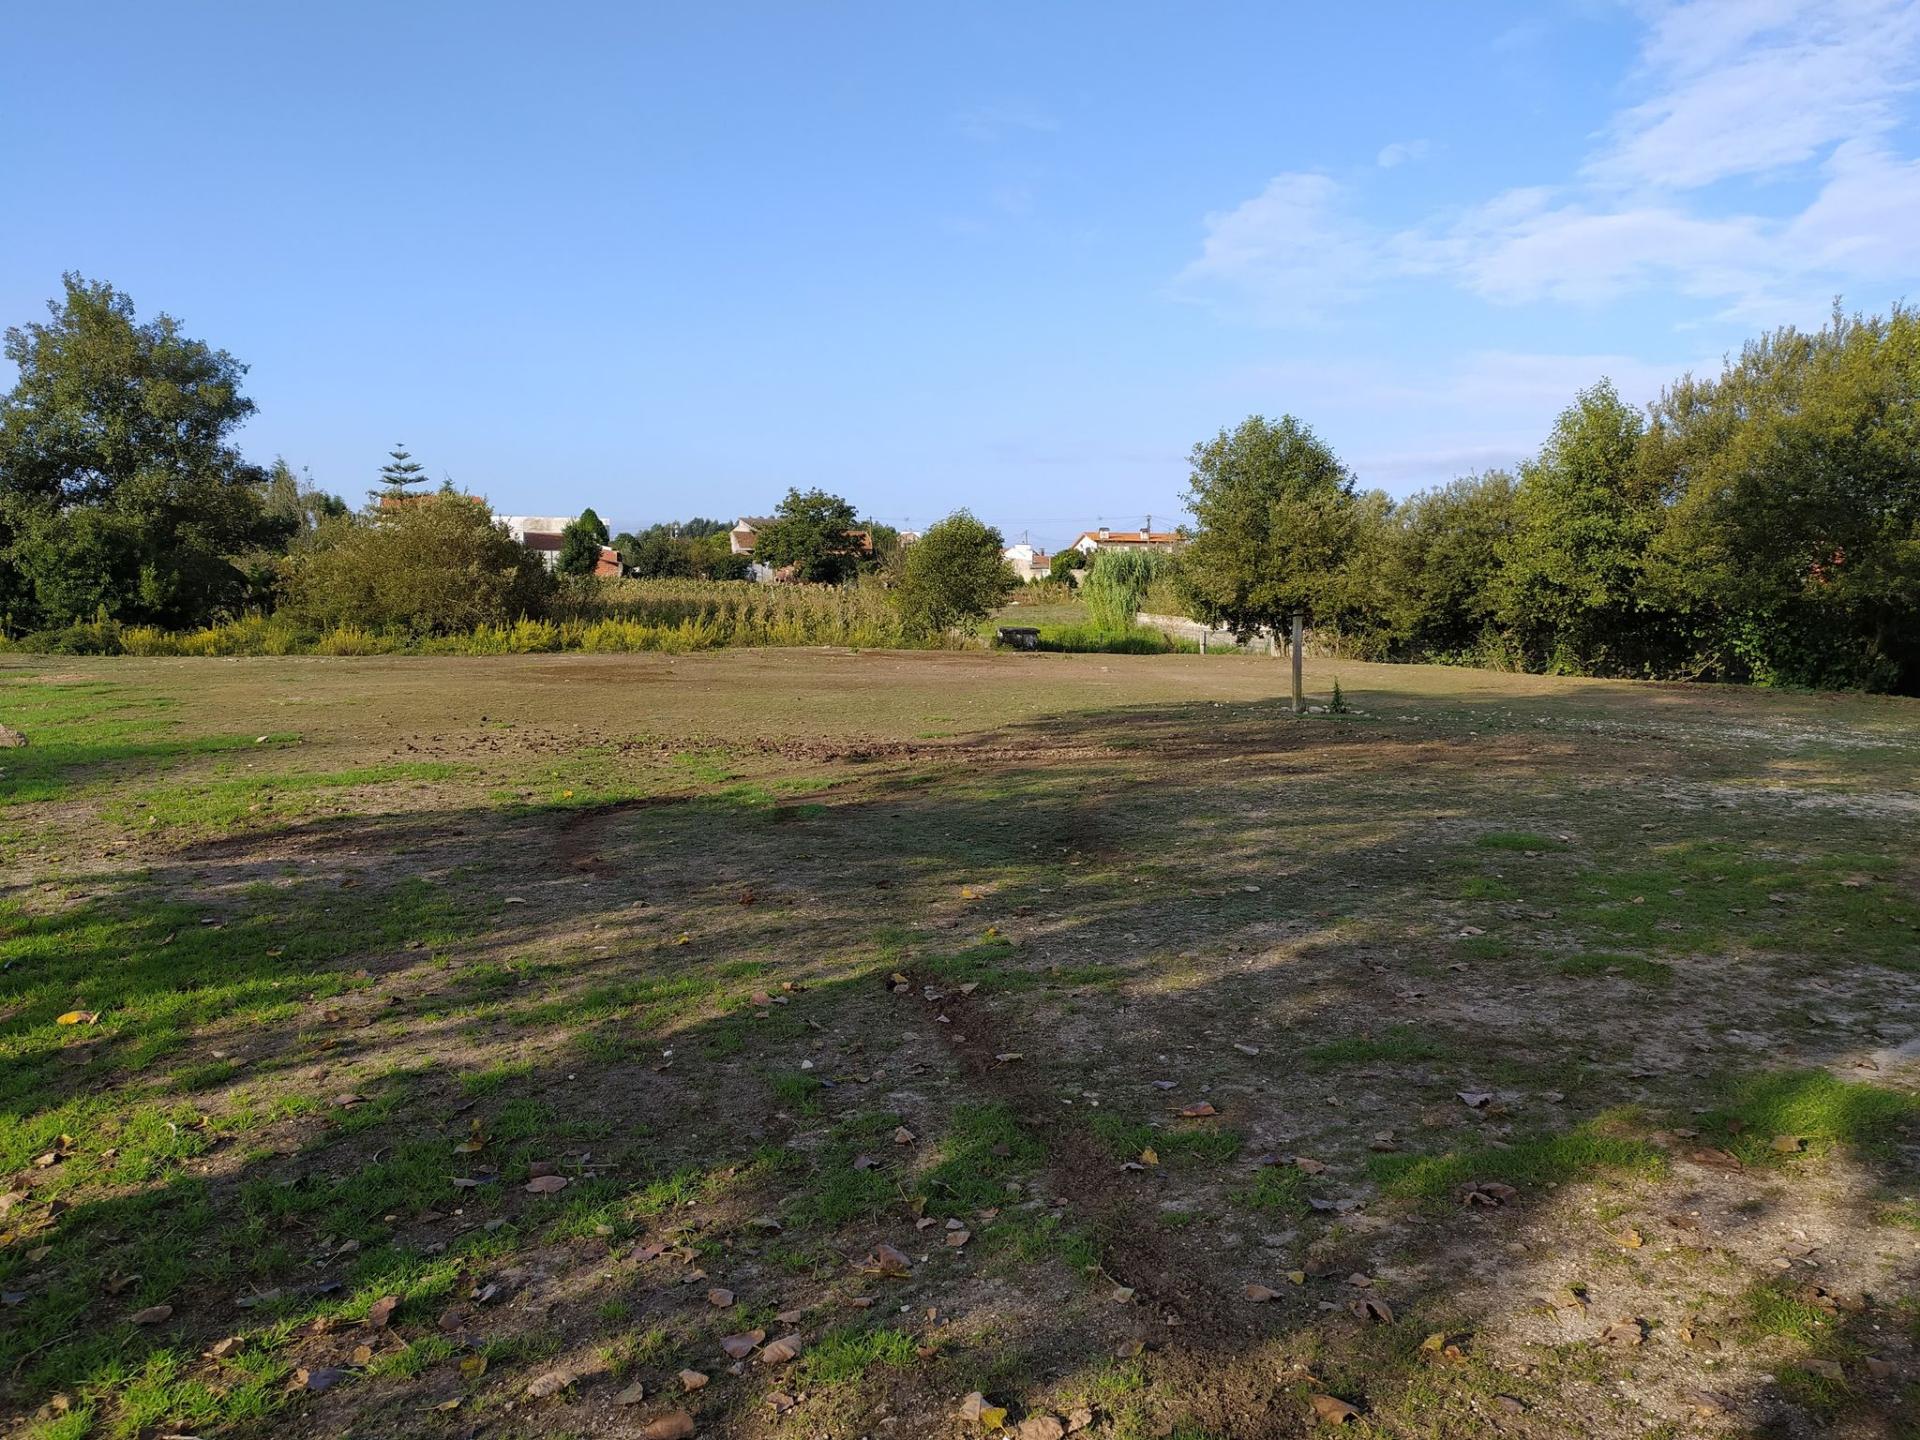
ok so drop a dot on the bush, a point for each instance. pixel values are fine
(438, 566)
(953, 575)
(1116, 584)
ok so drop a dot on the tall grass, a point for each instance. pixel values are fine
(674, 616)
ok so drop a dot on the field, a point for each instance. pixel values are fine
(797, 1043)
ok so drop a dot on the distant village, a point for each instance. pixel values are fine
(544, 536)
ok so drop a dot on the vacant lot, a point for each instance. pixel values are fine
(531, 1046)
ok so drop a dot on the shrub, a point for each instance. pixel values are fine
(1116, 584)
(953, 576)
(437, 566)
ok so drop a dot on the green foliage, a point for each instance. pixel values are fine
(1064, 565)
(954, 576)
(812, 533)
(435, 566)
(1279, 528)
(399, 478)
(580, 544)
(1116, 584)
(120, 496)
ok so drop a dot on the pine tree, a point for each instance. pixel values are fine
(398, 477)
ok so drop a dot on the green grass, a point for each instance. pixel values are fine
(1600, 1148)
(842, 1356)
(223, 803)
(1624, 967)
(1395, 1045)
(1125, 1139)
(1812, 1105)
(1278, 1190)
(984, 1147)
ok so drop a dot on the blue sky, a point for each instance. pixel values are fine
(671, 260)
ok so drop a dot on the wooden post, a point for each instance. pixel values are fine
(1203, 638)
(1299, 635)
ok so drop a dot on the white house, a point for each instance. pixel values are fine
(1105, 539)
(1027, 562)
(539, 533)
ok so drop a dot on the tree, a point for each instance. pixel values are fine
(398, 477)
(295, 504)
(1064, 564)
(811, 532)
(119, 489)
(437, 566)
(1792, 542)
(952, 576)
(1116, 585)
(1276, 522)
(580, 544)
(1442, 564)
(1570, 591)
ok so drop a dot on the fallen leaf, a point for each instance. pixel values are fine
(551, 1382)
(738, 1347)
(904, 1136)
(381, 1311)
(152, 1315)
(781, 1402)
(674, 1425)
(1373, 1308)
(1629, 1239)
(1149, 1156)
(719, 1298)
(692, 1380)
(1789, 1144)
(1260, 1294)
(1200, 1109)
(362, 1355)
(1627, 1330)
(1039, 1427)
(1331, 1410)
(632, 1395)
(885, 1260)
(1311, 1167)
(1475, 1099)
(957, 1238)
(779, 1352)
(976, 1409)
(547, 1184)
(473, 1367)
(77, 1017)
(319, 1379)
(1825, 1369)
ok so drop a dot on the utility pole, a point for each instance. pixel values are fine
(1299, 635)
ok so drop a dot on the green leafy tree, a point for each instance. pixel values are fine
(437, 566)
(1277, 522)
(580, 544)
(811, 532)
(1570, 591)
(400, 478)
(1441, 567)
(1793, 541)
(1065, 564)
(952, 576)
(120, 491)
(1116, 586)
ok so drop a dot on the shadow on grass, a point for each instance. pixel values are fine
(602, 993)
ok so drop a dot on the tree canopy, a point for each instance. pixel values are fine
(952, 575)
(120, 492)
(1276, 524)
(812, 532)
(580, 544)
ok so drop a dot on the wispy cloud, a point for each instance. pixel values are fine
(1750, 87)
(1732, 88)
(1401, 152)
(999, 119)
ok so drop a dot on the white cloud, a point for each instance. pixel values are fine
(1400, 152)
(1741, 87)
(1293, 249)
